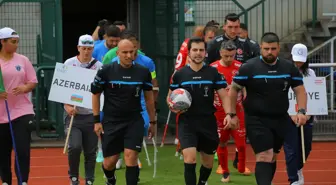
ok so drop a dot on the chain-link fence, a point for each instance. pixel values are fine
(25, 19)
(325, 126)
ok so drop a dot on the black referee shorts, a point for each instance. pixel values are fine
(199, 132)
(119, 135)
(266, 133)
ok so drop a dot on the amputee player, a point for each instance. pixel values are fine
(99, 33)
(82, 136)
(267, 80)
(181, 59)
(149, 64)
(246, 49)
(228, 67)
(122, 127)
(197, 126)
(293, 144)
(111, 41)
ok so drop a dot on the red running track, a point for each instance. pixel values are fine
(49, 166)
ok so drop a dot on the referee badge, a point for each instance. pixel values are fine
(206, 89)
(285, 86)
(137, 90)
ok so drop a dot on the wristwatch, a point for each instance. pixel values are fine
(302, 111)
(232, 115)
(153, 122)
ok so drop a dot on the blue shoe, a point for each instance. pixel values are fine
(100, 157)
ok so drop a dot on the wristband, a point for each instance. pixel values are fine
(96, 118)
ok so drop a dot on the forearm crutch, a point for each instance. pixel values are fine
(146, 152)
(165, 130)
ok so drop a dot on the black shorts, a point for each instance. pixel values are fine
(199, 132)
(266, 133)
(119, 135)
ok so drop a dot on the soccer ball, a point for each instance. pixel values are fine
(180, 99)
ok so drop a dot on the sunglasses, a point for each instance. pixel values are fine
(87, 42)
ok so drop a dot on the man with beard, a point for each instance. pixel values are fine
(197, 126)
(111, 41)
(267, 80)
(246, 49)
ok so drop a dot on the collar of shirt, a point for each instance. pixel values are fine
(119, 61)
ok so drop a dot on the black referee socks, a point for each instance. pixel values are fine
(190, 174)
(109, 175)
(204, 175)
(274, 165)
(132, 175)
(264, 173)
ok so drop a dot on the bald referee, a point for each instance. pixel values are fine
(123, 126)
(267, 80)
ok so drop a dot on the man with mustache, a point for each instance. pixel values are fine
(197, 126)
(267, 80)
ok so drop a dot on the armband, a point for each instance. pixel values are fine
(156, 88)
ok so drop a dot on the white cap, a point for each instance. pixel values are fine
(86, 40)
(299, 53)
(6, 33)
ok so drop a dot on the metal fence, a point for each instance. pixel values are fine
(322, 61)
(25, 18)
(282, 17)
(38, 22)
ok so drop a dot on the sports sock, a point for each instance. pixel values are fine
(263, 173)
(241, 158)
(189, 174)
(204, 175)
(236, 156)
(109, 174)
(132, 175)
(222, 153)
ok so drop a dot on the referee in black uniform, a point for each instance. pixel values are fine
(267, 80)
(198, 127)
(122, 127)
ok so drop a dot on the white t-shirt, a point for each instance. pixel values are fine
(74, 61)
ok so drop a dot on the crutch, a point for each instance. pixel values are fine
(165, 130)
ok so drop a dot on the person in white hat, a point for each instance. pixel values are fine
(82, 135)
(292, 144)
(19, 79)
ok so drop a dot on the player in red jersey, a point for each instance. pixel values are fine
(228, 67)
(181, 59)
